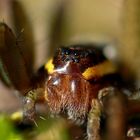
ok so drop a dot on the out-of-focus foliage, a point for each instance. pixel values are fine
(48, 129)
(130, 37)
(7, 130)
(52, 129)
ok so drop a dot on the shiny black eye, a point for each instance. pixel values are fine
(64, 51)
(75, 53)
(76, 60)
(67, 52)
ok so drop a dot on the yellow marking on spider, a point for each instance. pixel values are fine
(49, 66)
(99, 70)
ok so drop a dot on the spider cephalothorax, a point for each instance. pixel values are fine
(76, 74)
(83, 56)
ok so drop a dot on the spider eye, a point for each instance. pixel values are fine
(75, 53)
(67, 52)
(76, 60)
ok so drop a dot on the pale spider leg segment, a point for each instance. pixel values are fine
(93, 126)
(133, 132)
(135, 95)
(105, 92)
(29, 103)
(29, 106)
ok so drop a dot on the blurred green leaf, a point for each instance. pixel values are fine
(7, 130)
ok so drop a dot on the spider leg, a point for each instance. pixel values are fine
(93, 126)
(29, 103)
(114, 107)
(135, 95)
(116, 112)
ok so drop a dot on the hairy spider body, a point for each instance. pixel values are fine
(76, 74)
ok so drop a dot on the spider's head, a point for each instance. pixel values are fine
(87, 60)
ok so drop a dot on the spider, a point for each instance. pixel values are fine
(78, 81)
